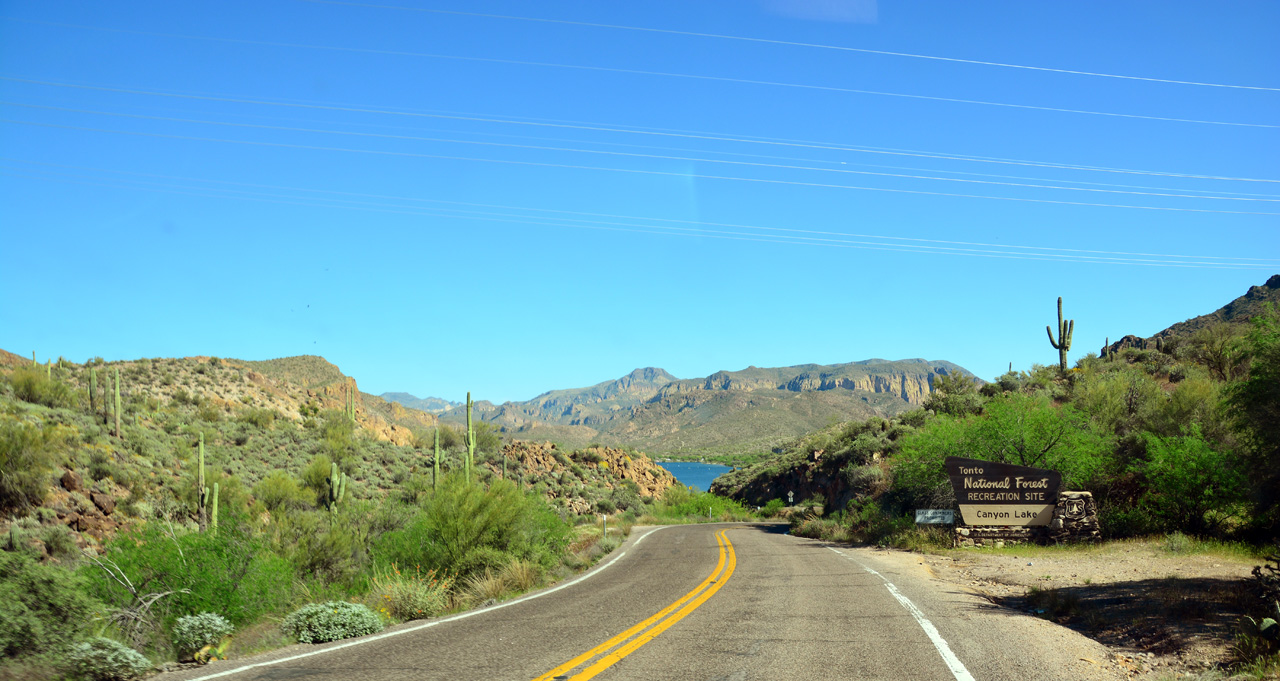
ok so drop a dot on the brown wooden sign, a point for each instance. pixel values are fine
(992, 493)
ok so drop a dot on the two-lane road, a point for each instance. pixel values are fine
(717, 601)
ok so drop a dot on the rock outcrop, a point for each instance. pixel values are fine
(540, 459)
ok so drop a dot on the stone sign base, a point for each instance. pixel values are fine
(1075, 519)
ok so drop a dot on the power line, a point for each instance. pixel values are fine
(754, 164)
(626, 170)
(790, 43)
(664, 74)
(700, 223)
(636, 131)
(672, 230)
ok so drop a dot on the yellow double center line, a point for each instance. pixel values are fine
(630, 640)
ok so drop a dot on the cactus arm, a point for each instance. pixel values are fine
(1052, 342)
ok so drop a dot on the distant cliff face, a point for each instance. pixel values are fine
(750, 409)
(577, 406)
(911, 381)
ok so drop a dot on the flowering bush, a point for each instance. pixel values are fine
(193, 632)
(411, 596)
(102, 659)
(331, 621)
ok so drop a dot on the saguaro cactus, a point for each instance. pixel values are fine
(93, 389)
(34, 363)
(471, 440)
(435, 461)
(202, 492)
(117, 401)
(214, 510)
(1063, 344)
(337, 487)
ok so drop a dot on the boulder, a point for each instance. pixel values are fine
(104, 502)
(72, 482)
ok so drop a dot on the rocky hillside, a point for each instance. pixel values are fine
(727, 412)
(615, 468)
(1240, 310)
(254, 418)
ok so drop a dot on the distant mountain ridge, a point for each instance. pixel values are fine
(728, 411)
(1240, 310)
(433, 405)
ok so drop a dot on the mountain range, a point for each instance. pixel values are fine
(434, 405)
(728, 412)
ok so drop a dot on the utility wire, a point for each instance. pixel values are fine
(769, 41)
(623, 170)
(754, 164)
(701, 223)
(663, 74)
(619, 129)
(670, 230)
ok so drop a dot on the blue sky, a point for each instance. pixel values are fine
(439, 201)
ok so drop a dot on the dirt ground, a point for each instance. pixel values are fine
(1164, 613)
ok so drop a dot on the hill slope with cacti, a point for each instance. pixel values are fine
(125, 441)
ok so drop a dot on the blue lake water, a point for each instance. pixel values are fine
(695, 474)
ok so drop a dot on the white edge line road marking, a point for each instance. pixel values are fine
(953, 663)
(368, 639)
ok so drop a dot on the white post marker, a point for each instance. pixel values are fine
(791, 497)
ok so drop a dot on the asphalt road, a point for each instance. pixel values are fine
(725, 601)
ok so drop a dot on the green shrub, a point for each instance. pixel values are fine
(43, 608)
(773, 508)
(280, 491)
(26, 459)
(464, 527)
(1187, 480)
(331, 621)
(102, 659)
(231, 572)
(262, 418)
(410, 596)
(193, 632)
(34, 385)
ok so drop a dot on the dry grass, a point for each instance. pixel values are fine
(485, 586)
(522, 575)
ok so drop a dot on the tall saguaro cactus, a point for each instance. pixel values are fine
(214, 510)
(202, 492)
(471, 440)
(117, 401)
(435, 461)
(1063, 344)
(93, 389)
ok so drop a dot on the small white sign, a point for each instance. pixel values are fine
(935, 516)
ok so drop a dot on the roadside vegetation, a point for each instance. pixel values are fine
(308, 529)
(1181, 441)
